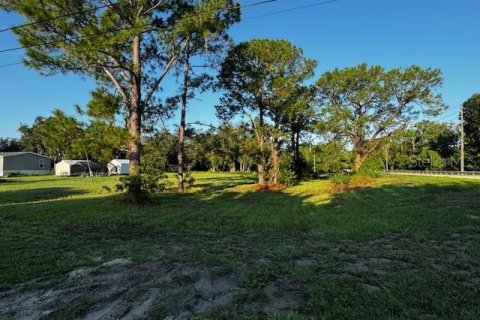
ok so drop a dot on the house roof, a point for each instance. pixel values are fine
(121, 161)
(73, 162)
(83, 163)
(14, 154)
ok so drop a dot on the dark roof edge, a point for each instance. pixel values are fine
(14, 154)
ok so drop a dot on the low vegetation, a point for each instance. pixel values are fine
(398, 247)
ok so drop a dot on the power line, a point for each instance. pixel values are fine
(247, 18)
(10, 64)
(292, 9)
(448, 116)
(147, 25)
(56, 18)
(451, 118)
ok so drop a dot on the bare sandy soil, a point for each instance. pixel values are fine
(121, 289)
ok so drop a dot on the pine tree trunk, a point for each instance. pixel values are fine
(181, 129)
(293, 149)
(275, 161)
(261, 149)
(135, 123)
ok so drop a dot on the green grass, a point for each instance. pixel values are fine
(50, 226)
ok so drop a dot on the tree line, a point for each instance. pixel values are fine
(268, 86)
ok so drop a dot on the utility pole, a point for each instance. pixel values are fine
(387, 146)
(314, 160)
(462, 141)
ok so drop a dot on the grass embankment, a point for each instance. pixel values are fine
(398, 247)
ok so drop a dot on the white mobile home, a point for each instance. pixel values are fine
(78, 168)
(119, 166)
(24, 163)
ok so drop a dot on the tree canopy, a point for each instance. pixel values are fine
(258, 78)
(471, 116)
(365, 103)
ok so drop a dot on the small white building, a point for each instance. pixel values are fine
(78, 168)
(119, 166)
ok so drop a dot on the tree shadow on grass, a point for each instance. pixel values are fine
(37, 194)
(206, 184)
(243, 224)
(225, 208)
(364, 210)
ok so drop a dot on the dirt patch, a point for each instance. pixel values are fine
(355, 184)
(121, 289)
(371, 288)
(304, 262)
(118, 289)
(282, 294)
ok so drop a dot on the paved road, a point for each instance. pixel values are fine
(443, 175)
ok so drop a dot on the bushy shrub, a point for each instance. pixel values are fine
(372, 166)
(341, 178)
(14, 174)
(139, 188)
(429, 160)
(288, 177)
(189, 179)
(287, 174)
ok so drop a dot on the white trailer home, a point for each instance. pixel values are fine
(119, 166)
(78, 168)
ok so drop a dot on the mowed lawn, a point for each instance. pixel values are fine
(397, 247)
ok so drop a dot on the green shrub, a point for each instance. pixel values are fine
(189, 179)
(139, 188)
(430, 160)
(372, 166)
(287, 174)
(288, 177)
(14, 174)
(341, 178)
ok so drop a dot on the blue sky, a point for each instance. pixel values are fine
(442, 34)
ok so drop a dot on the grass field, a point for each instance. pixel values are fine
(397, 247)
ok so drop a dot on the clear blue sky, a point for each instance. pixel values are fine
(442, 34)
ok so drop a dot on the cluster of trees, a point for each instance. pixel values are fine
(130, 47)
(471, 116)
(10, 145)
(61, 136)
(426, 146)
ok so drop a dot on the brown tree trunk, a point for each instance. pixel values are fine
(275, 161)
(181, 129)
(293, 150)
(232, 167)
(359, 158)
(261, 167)
(260, 133)
(135, 111)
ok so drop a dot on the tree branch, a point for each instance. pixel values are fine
(117, 84)
(168, 67)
